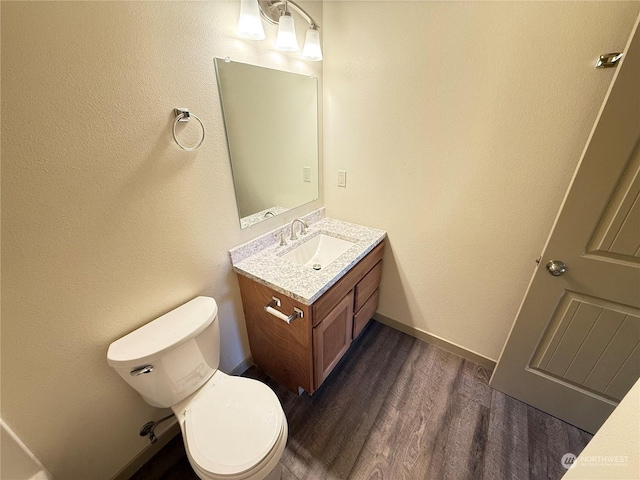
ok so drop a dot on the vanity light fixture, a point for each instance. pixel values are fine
(287, 41)
(276, 12)
(311, 50)
(249, 24)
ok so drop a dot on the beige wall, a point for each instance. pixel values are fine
(460, 124)
(106, 223)
(613, 452)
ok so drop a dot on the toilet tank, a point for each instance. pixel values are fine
(169, 358)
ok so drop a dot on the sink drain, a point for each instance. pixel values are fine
(317, 266)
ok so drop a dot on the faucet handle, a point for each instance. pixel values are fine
(280, 235)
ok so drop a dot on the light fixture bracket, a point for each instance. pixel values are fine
(272, 10)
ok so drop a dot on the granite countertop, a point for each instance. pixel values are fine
(261, 259)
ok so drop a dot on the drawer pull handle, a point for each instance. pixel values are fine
(275, 302)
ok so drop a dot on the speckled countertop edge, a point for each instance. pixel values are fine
(301, 283)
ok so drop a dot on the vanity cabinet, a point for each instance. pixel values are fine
(303, 353)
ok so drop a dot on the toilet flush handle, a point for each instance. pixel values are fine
(140, 370)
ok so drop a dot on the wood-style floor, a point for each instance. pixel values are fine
(398, 408)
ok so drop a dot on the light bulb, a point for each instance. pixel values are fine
(249, 24)
(286, 39)
(311, 50)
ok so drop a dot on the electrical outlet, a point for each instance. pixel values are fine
(306, 174)
(342, 178)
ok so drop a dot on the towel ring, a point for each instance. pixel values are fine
(183, 115)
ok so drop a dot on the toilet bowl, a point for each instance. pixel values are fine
(253, 421)
(233, 428)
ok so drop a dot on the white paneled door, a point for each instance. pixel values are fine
(574, 349)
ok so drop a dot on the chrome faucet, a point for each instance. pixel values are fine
(303, 228)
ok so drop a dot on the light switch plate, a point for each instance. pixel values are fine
(342, 178)
(306, 174)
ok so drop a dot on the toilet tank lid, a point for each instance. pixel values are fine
(163, 334)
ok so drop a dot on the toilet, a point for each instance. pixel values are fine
(234, 428)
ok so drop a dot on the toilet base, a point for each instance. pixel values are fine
(274, 473)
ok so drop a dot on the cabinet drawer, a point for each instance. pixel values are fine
(361, 318)
(368, 285)
(327, 301)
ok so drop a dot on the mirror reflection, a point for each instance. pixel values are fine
(271, 123)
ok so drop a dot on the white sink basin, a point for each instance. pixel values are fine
(319, 251)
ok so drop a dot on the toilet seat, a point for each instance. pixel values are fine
(231, 427)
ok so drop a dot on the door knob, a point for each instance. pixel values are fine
(556, 268)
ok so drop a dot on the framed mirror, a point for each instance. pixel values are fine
(271, 123)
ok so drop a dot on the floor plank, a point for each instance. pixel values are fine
(404, 438)
(507, 451)
(460, 444)
(397, 408)
(475, 383)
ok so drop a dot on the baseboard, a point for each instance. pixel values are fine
(243, 366)
(437, 341)
(145, 455)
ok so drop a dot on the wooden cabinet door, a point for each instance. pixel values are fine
(332, 337)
